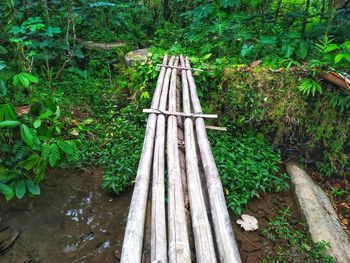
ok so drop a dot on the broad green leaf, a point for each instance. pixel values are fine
(330, 48)
(33, 188)
(29, 163)
(30, 77)
(303, 50)
(7, 113)
(338, 58)
(346, 44)
(3, 90)
(24, 81)
(37, 123)
(27, 135)
(20, 189)
(45, 115)
(88, 121)
(15, 81)
(347, 57)
(9, 124)
(7, 191)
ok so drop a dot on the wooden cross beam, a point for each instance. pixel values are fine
(182, 114)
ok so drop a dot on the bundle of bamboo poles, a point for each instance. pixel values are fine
(194, 177)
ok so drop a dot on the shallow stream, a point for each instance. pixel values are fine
(73, 220)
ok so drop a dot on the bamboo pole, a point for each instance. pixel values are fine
(225, 240)
(204, 244)
(158, 226)
(133, 238)
(179, 248)
(182, 114)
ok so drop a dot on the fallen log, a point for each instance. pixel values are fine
(225, 240)
(338, 80)
(133, 239)
(95, 45)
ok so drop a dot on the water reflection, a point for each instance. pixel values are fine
(74, 220)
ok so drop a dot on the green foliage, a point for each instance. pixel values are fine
(280, 231)
(309, 86)
(121, 149)
(339, 101)
(247, 165)
(25, 132)
(25, 79)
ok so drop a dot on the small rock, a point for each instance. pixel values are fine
(136, 56)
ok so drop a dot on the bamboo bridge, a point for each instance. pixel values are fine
(191, 223)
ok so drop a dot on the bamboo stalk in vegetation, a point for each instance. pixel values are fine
(204, 244)
(158, 226)
(226, 242)
(179, 248)
(133, 239)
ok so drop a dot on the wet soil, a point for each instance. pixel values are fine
(254, 246)
(73, 220)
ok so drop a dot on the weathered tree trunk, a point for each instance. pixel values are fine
(330, 15)
(304, 20)
(166, 9)
(133, 239)
(323, 8)
(279, 3)
(159, 238)
(225, 240)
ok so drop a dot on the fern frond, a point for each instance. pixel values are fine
(66, 147)
(54, 156)
(70, 149)
(45, 151)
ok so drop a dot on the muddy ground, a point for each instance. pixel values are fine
(253, 245)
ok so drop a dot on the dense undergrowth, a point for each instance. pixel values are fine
(58, 97)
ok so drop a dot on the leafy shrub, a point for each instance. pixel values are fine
(28, 145)
(247, 165)
(32, 136)
(120, 155)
